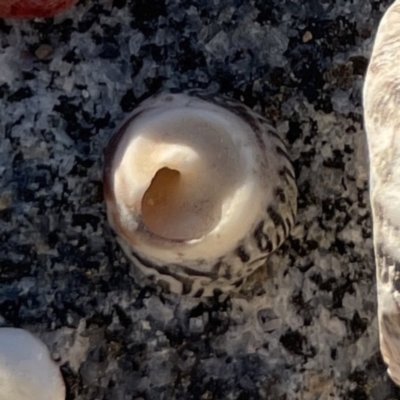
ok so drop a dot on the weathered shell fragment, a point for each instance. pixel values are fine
(382, 123)
(200, 190)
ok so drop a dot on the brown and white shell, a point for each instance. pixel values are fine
(382, 123)
(200, 190)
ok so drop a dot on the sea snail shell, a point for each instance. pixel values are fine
(199, 191)
(382, 123)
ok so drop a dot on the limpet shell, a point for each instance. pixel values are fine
(200, 190)
(382, 124)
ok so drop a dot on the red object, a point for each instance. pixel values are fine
(32, 8)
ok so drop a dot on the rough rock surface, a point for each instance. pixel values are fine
(306, 329)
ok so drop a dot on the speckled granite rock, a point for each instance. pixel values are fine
(306, 329)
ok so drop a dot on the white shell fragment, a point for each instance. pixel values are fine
(199, 191)
(27, 371)
(382, 123)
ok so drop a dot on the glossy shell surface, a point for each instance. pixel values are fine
(33, 8)
(27, 371)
